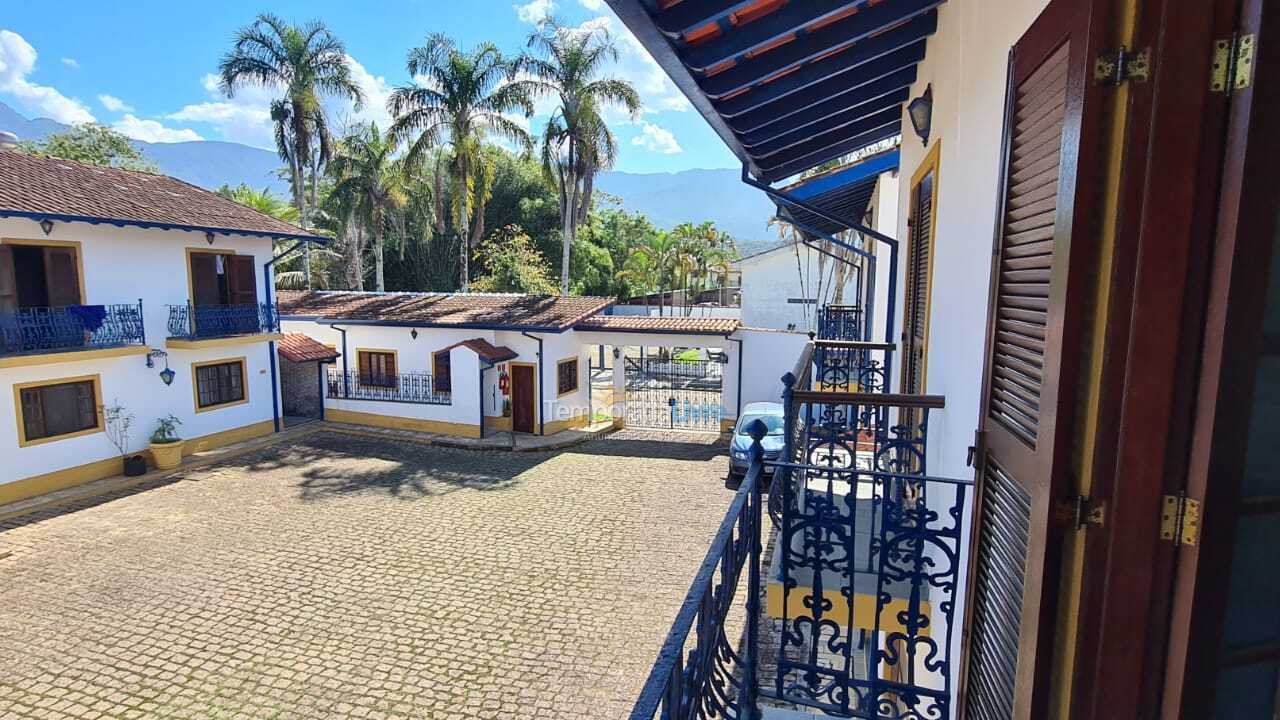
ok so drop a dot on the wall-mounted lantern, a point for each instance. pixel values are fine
(46, 225)
(208, 237)
(921, 112)
(166, 375)
(414, 333)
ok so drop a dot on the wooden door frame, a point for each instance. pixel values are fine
(533, 400)
(1165, 210)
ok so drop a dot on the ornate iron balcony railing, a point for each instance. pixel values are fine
(852, 365)
(70, 328)
(840, 322)
(701, 671)
(198, 322)
(418, 388)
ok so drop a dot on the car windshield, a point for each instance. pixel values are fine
(773, 422)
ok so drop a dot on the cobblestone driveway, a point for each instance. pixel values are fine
(346, 577)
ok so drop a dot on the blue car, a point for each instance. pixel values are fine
(772, 414)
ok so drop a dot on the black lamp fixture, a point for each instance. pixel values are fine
(208, 237)
(46, 225)
(166, 375)
(414, 333)
(921, 112)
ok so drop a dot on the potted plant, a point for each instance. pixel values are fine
(118, 423)
(166, 446)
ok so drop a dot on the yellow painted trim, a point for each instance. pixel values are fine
(97, 404)
(56, 480)
(72, 356)
(577, 421)
(577, 376)
(76, 244)
(537, 411)
(396, 422)
(931, 163)
(181, 344)
(191, 283)
(227, 437)
(497, 423)
(244, 384)
(864, 608)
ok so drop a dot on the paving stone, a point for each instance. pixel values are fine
(340, 576)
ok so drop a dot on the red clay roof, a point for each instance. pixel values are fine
(296, 347)
(517, 312)
(33, 185)
(486, 350)
(654, 324)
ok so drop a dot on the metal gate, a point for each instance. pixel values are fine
(675, 394)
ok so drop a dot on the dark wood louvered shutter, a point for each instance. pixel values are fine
(204, 279)
(1038, 300)
(242, 285)
(920, 218)
(62, 276)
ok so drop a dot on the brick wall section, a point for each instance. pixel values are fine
(300, 388)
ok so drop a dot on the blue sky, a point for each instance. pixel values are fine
(147, 70)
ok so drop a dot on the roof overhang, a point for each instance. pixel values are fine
(843, 192)
(151, 225)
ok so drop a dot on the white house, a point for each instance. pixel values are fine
(127, 289)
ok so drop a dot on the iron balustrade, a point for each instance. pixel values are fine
(840, 322)
(70, 328)
(417, 388)
(852, 365)
(196, 322)
(699, 672)
(867, 557)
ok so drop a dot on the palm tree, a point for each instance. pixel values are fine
(374, 185)
(657, 258)
(459, 98)
(306, 62)
(576, 143)
(264, 201)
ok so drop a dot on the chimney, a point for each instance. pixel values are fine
(8, 140)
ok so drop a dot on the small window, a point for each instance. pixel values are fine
(441, 373)
(219, 384)
(64, 408)
(567, 376)
(377, 368)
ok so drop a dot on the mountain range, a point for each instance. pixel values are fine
(667, 199)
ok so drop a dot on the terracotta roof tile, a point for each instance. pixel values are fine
(296, 347)
(517, 312)
(486, 350)
(51, 186)
(653, 324)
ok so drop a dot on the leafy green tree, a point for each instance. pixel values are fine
(606, 240)
(461, 97)
(307, 62)
(576, 143)
(264, 201)
(94, 144)
(371, 186)
(513, 264)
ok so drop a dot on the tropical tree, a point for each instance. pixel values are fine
(458, 98)
(264, 201)
(306, 62)
(656, 261)
(94, 144)
(576, 143)
(513, 264)
(371, 186)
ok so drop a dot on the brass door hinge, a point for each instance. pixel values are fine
(1232, 63)
(1180, 519)
(1117, 67)
(1081, 512)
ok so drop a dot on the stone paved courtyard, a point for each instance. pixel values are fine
(340, 576)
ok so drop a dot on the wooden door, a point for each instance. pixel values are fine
(242, 286)
(62, 276)
(205, 289)
(522, 392)
(920, 226)
(1038, 301)
(8, 281)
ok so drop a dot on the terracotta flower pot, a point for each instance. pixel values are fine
(167, 456)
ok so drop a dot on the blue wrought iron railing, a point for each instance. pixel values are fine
(840, 322)
(703, 671)
(418, 388)
(196, 322)
(70, 328)
(852, 365)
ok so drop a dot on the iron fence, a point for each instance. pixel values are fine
(675, 394)
(852, 365)
(840, 322)
(701, 672)
(194, 322)
(71, 327)
(418, 388)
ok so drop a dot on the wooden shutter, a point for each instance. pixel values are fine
(62, 276)
(32, 414)
(1038, 300)
(8, 281)
(241, 280)
(204, 279)
(919, 252)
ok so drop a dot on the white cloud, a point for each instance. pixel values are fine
(17, 61)
(375, 89)
(153, 132)
(114, 104)
(535, 11)
(592, 5)
(656, 139)
(71, 63)
(657, 92)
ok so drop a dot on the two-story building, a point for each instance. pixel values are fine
(127, 294)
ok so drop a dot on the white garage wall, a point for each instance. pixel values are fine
(766, 357)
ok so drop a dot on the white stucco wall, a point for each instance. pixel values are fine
(884, 218)
(122, 265)
(770, 279)
(766, 357)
